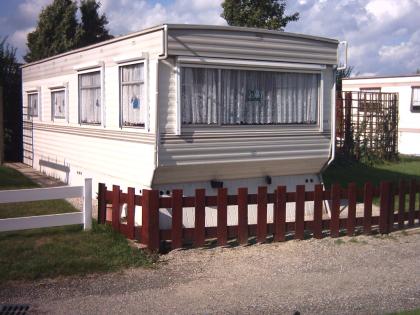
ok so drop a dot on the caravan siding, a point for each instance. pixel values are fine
(109, 153)
(259, 45)
(408, 124)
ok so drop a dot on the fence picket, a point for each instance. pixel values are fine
(411, 202)
(335, 210)
(317, 228)
(401, 203)
(280, 214)
(176, 233)
(368, 199)
(101, 203)
(351, 210)
(391, 209)
(150, 219)
(222, 216)
(242, 215)
(116, 206)
(200, 217)
(385, 188)
(131, 199)
(262, 214)
(300, 212)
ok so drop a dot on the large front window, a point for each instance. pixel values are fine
(90, 97)
(247, 97)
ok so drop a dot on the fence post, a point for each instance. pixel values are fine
(335, 210)
(262, 214)
(176, 234)
(87, 204)
(222, 233)
(351, 208)
(411, 202)
(131, 209)
(385, 190)
(242, 215)
(116, 206)
(200, 218)
(150, 219)
(401, 204)
(348, 137)
(318, 200)
(368, 197)
(300, 212)
(280, 214)
(101, 203)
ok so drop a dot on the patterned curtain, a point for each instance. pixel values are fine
(132, 95)
(90, 97)
(58, 102)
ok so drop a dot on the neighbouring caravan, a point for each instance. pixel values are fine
(185, 106)
(408, 89)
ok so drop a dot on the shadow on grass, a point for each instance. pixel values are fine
(64, 251)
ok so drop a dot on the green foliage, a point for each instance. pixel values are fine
(9, 67)
(92, 29)
(268, 14)
(55, 32)
(59, 31)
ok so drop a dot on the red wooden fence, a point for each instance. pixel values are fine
(152, 236)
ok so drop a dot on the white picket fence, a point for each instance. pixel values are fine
(42, 221)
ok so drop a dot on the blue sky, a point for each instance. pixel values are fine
(383, 35)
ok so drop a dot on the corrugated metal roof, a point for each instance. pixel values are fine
(182, 26)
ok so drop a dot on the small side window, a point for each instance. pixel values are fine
(415, 99)
(33, 106)
(132, 91)
(58, 104)
(90, 106)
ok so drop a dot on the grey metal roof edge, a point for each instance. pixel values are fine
(180, 26)
(382, 77)
(106, 42)
(249, 29)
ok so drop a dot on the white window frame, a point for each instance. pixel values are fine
(36, 91)
(101, 71)
(122, 64)
(414, 109)
(57, 88)
(234, 64)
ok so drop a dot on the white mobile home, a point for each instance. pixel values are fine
(408, 89)
(184, 106)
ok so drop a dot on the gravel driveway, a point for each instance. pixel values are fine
(361, 275)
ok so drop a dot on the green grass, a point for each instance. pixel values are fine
(344, 171)
(12, 179)
(59, 251)
(65, 251)
(411, 312)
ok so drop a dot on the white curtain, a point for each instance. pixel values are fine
(415, 98)
(58, 101)
(33, 105)
(199, 95)
(132, 95)
(248, 97)
(90, 97)
(264, 97)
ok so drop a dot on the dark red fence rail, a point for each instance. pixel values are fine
(149, 234)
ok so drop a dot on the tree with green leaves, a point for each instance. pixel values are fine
(268, 14)
(92, 28)
(55, 32)
(11, 85)
(59, 31)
